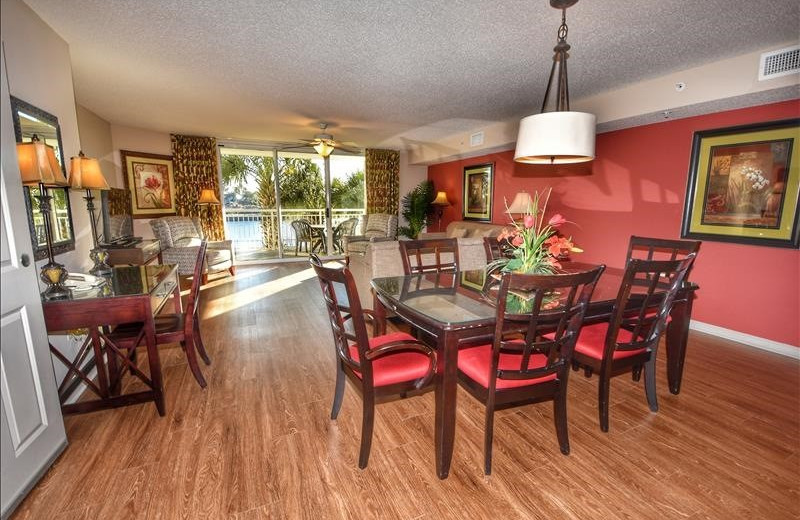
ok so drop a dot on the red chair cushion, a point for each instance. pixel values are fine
(394, 368)
(591, 342)
(476, 362)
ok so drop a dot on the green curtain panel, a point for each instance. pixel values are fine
(382, 175)
(194, 162)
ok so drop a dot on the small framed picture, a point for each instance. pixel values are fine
(744, 184)
(150, 180)
(478, 184)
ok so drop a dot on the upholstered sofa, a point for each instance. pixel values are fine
(181, 236)
(382, 258)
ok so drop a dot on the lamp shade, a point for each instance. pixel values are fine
(323, 148)
(85, 173)
(207, 196)
(520, 204)
(38, 164)
(556, 138)
(441, 199)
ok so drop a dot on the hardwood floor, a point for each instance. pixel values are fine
(259, 443)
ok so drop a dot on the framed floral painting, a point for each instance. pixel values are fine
(150, 180)
(744, 185)
(478, 184)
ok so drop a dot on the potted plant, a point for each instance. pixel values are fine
(416, 208)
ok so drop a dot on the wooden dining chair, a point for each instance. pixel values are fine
(629, 341)
(382, 367)
(429, 255)
(521, 366)
(649, 248)
(183, 328)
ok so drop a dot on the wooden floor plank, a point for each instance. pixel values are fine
(258, 442)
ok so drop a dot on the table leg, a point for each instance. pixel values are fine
(155, 368)
(677, 338)
(446, 392)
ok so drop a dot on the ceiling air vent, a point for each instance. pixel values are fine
(779, 63)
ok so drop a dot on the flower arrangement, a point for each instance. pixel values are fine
(534, 245)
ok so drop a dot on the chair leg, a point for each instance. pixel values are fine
(338, 393)
(367, 422)
(560, 415)
(488, 437)
(650, 384)
(602, 400)
(232, 270)
(636, 373)
(198, 341)
(188, 347)
(205, 279)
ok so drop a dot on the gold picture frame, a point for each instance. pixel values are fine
(478, 192)
(744, 185)
(151, 182)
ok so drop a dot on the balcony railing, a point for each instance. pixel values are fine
(244, 225)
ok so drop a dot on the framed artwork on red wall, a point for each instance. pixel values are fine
(744, 185)
(478, 187)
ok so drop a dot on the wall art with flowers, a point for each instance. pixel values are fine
(744, 185)
(150, 180)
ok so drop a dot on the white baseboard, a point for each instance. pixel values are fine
(783, 349)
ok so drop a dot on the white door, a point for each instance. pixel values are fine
(31, 428)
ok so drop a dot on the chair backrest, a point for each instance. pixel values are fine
(539, 318)
(380, 225)
(191, 310)
(493, 247)
(177, 231)
(644, 301)
(302, 229)
(345, 228)
(648, 248)
(429, 255)
(346, 316)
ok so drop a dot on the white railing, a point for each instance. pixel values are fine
(243, 225)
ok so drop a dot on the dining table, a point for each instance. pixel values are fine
(453, 311)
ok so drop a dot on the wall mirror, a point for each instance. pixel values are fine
(29, 120)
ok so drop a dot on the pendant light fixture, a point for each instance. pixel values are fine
(560, 136)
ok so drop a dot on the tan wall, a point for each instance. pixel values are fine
(137, 140)
(39, 72)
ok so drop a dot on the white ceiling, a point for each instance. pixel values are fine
(377, 71)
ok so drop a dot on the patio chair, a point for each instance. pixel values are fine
(344, 229)
(304, 236)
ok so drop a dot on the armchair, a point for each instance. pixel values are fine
(180, 239)
(377, 227)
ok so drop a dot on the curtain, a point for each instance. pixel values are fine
(194, 163)
(382, 177)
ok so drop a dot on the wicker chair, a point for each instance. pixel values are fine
(180, 239)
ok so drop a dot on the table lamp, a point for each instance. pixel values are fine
(207, 198)
(85, 173)
(38, 166)
(440, 202)
(520, 205)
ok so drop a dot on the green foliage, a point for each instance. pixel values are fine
(415, 209)
(348, 193)
(301, 184)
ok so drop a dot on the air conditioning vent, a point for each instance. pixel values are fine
(779, 63)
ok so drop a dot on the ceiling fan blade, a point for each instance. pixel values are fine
(348, 149)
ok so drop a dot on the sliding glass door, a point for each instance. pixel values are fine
(278, 205)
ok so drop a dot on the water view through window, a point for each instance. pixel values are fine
(261, 228)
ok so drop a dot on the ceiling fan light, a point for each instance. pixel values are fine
(556, 138)
(323, 149)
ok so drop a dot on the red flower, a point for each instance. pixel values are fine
(152, 183)
(556, 220)
(529, 221)
(517, 241)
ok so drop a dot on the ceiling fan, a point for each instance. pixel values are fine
(324, 144)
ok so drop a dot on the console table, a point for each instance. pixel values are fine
(141, 253)
(129, 295)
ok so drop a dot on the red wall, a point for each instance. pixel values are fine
(636, 186)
